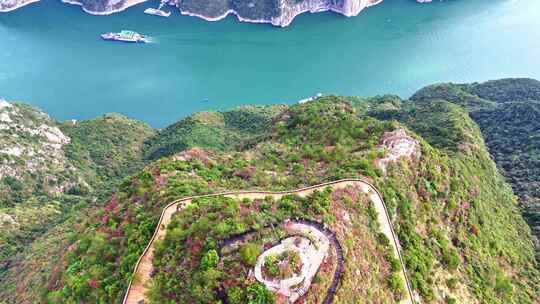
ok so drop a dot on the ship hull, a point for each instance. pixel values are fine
(115, 38)
(121, 40)
(157, 12)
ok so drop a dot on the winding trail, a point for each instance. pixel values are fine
(141, 278)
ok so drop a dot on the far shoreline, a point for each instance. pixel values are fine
(7, 10)
(275, 22)
(127, 4)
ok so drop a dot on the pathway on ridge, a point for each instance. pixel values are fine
(143, 267)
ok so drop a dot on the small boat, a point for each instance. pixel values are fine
(312, 98)
(125, 36)
(157, 12)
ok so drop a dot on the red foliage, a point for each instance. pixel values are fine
(422, 192)
(329, 149)
(93, 283)
(197, 153)
(246, 173)
(339, 194)
(112, 204)
(117, 233)
(104, 229)
(159, 181)
(281, 299)
(194, 246)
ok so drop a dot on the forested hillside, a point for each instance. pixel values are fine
(461, 231)
(51, 170)
(508, 113)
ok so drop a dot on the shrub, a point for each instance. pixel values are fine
(13, 183)
(271, 265)
(210, 259)
(383, 240)
(395, 264)
(258, 294)
(451, 259)
(396, 285)
(452, 283)
(503, 286)
(235, 295)
(249, 253)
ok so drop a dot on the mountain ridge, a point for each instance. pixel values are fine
(457, 219)
(279, 13)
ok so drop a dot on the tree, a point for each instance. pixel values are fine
(249, 253)
(210, 259)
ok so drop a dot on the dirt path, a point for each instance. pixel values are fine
(138, 286)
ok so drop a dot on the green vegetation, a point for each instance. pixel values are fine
(508, 113)
(107, 148)
(506, 90)
(51, 183)
(255, 10)
(249, 253)
(213, 130)
(459, 225)
(181, 260)
(291, 261)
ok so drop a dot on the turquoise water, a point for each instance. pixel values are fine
(51, 56)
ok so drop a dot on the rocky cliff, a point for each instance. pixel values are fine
(10, 5)
(277, 12)
(49, 168)
(349, 8)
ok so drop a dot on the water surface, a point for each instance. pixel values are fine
(51, 56)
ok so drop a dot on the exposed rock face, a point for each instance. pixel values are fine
(277, 12)
(291, 9)
(103, 7)
(10, 5)
(397, 144)
(31, 143)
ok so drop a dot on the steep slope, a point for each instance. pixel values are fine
(508, 113)
(51, 170)
(213, 130)
(37, 217)
(506, 90)
(461, 233)
(10, 5)
(325, 250)
(34, 176)
(108, 147)
(276, 12)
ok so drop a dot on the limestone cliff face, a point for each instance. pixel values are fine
(291, 8)
(10, 5)
(277, 12)
(103, 7)
(32, 150)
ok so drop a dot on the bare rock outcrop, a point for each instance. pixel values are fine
(279, 13)
(276, 12)
(11, 5)
(397, 145)
(291, 9)
(31, 144)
